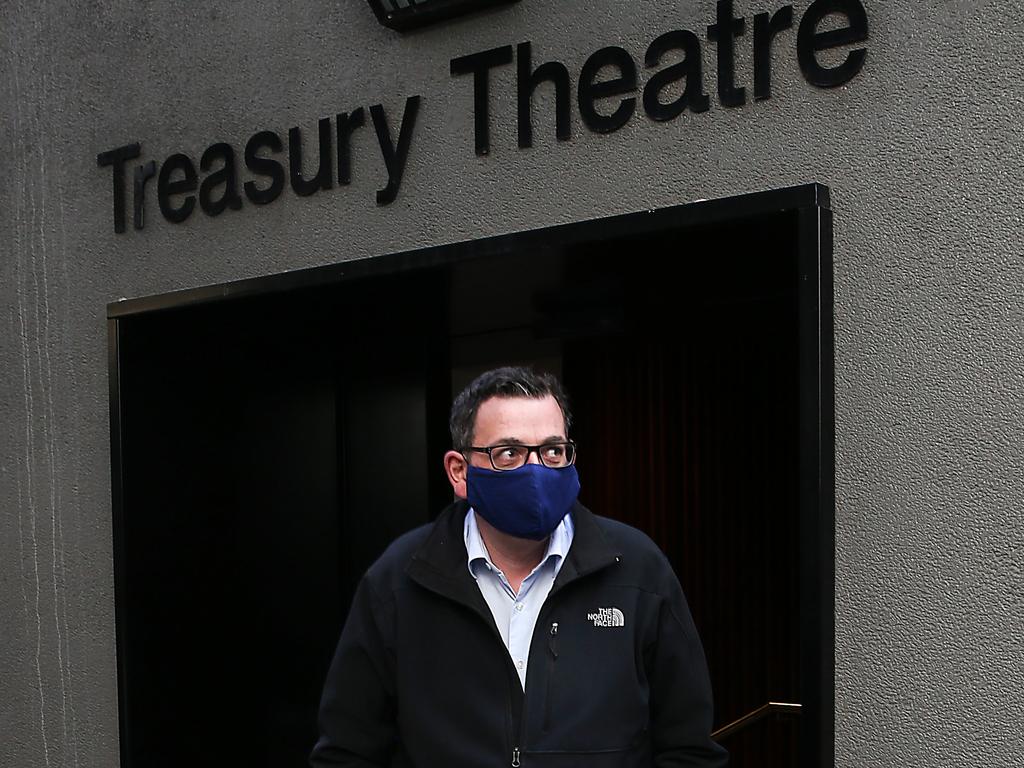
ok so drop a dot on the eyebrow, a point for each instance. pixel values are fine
(517, 441)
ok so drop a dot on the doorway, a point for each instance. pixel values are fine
(269, 440)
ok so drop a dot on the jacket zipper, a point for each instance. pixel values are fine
(553, 648)
(517, 696)
(548, 693)
(517, 716)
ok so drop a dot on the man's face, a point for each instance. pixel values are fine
(508, 421)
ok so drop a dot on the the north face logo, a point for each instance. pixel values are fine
(607, 617)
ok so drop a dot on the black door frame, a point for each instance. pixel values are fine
(816, 381)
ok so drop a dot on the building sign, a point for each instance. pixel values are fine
(409, 14)
(610, 90)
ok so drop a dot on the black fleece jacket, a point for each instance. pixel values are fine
(422, 678)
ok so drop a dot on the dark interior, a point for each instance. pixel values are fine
(272, 446)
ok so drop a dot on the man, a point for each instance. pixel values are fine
(519, 629)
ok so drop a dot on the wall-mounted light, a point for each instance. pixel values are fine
(409, 14)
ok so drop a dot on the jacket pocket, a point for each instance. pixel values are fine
(588, 696)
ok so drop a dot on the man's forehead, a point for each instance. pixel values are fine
(520, 404)
(510, 415)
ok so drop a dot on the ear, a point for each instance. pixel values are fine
(455, 467)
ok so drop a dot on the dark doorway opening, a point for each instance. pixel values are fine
(272, 437)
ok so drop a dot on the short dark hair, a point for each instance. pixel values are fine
(510, 381)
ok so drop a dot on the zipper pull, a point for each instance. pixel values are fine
(515, 757)
(553, 640)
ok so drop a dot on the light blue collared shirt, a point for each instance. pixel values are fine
(516, 614)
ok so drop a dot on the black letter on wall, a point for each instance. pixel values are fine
(166, 188)
(479, 64)
(527, 80)
(143, 173)
(690, 68)
(394, 158)
(224, 175)
(323, 179)
(765, 29)
(724, 31)
(264, 166)
(589, 91)
(809, 41)
(117, 158)
(346, 124)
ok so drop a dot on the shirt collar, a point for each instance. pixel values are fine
(476, 551)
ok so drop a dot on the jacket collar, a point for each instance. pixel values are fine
(440, 563)
(557, 546)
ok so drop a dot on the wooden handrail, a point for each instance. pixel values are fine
(751, 717)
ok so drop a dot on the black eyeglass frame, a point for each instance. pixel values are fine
(568, 444)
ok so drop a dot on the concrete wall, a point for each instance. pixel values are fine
(922, 152)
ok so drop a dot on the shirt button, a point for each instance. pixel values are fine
(519, 606)
(520, 664)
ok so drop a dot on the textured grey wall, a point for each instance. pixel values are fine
(922, 152)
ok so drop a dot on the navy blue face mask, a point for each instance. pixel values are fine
(528, 502)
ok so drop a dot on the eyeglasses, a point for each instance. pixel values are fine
(506, 457)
